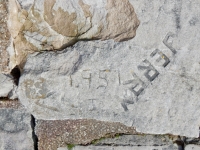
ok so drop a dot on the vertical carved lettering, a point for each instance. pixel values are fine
(125, 103)
(71, 82)
(103, 77)
(136, 87)
(87, 75)
(119, 78)
(162, 56)
(149, 69)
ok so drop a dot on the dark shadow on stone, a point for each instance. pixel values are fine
(34, 136)
(15, 72)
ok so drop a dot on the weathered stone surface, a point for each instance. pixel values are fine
(195, 141)
(150, 82)
(192, 147)
(58, 133)
(139, 140)
(15, 129)
(7, 86)
(54, 24)
(4, 37)
(15, 104)
(171, 147)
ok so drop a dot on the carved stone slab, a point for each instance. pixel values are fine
(150, 82)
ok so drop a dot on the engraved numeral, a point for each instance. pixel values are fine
(103, 76)
(87, 75)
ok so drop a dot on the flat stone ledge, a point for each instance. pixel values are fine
(192, 147)
(135, 140)
(169, 147)
(15, 104)
(58, 133)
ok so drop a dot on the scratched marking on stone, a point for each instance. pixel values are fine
(37, 90)
(151, 73)
(93, 84)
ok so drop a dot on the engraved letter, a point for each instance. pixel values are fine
(162, 56)
(169, 45)
(149, 69)
(137, 85)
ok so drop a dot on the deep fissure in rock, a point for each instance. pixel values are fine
(34, 136)
(15, 72)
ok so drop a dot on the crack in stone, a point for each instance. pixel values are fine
(34, 136)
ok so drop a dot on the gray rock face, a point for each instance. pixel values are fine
(15, 130)
(7, 86)
(150, 82)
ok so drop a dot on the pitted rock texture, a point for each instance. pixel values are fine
(142, 140)
(4, 37)
(15, 129)
(54, 24)
(58, 133)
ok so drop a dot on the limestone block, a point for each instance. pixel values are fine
(54, 24)
(150, 82)
(15, 129)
